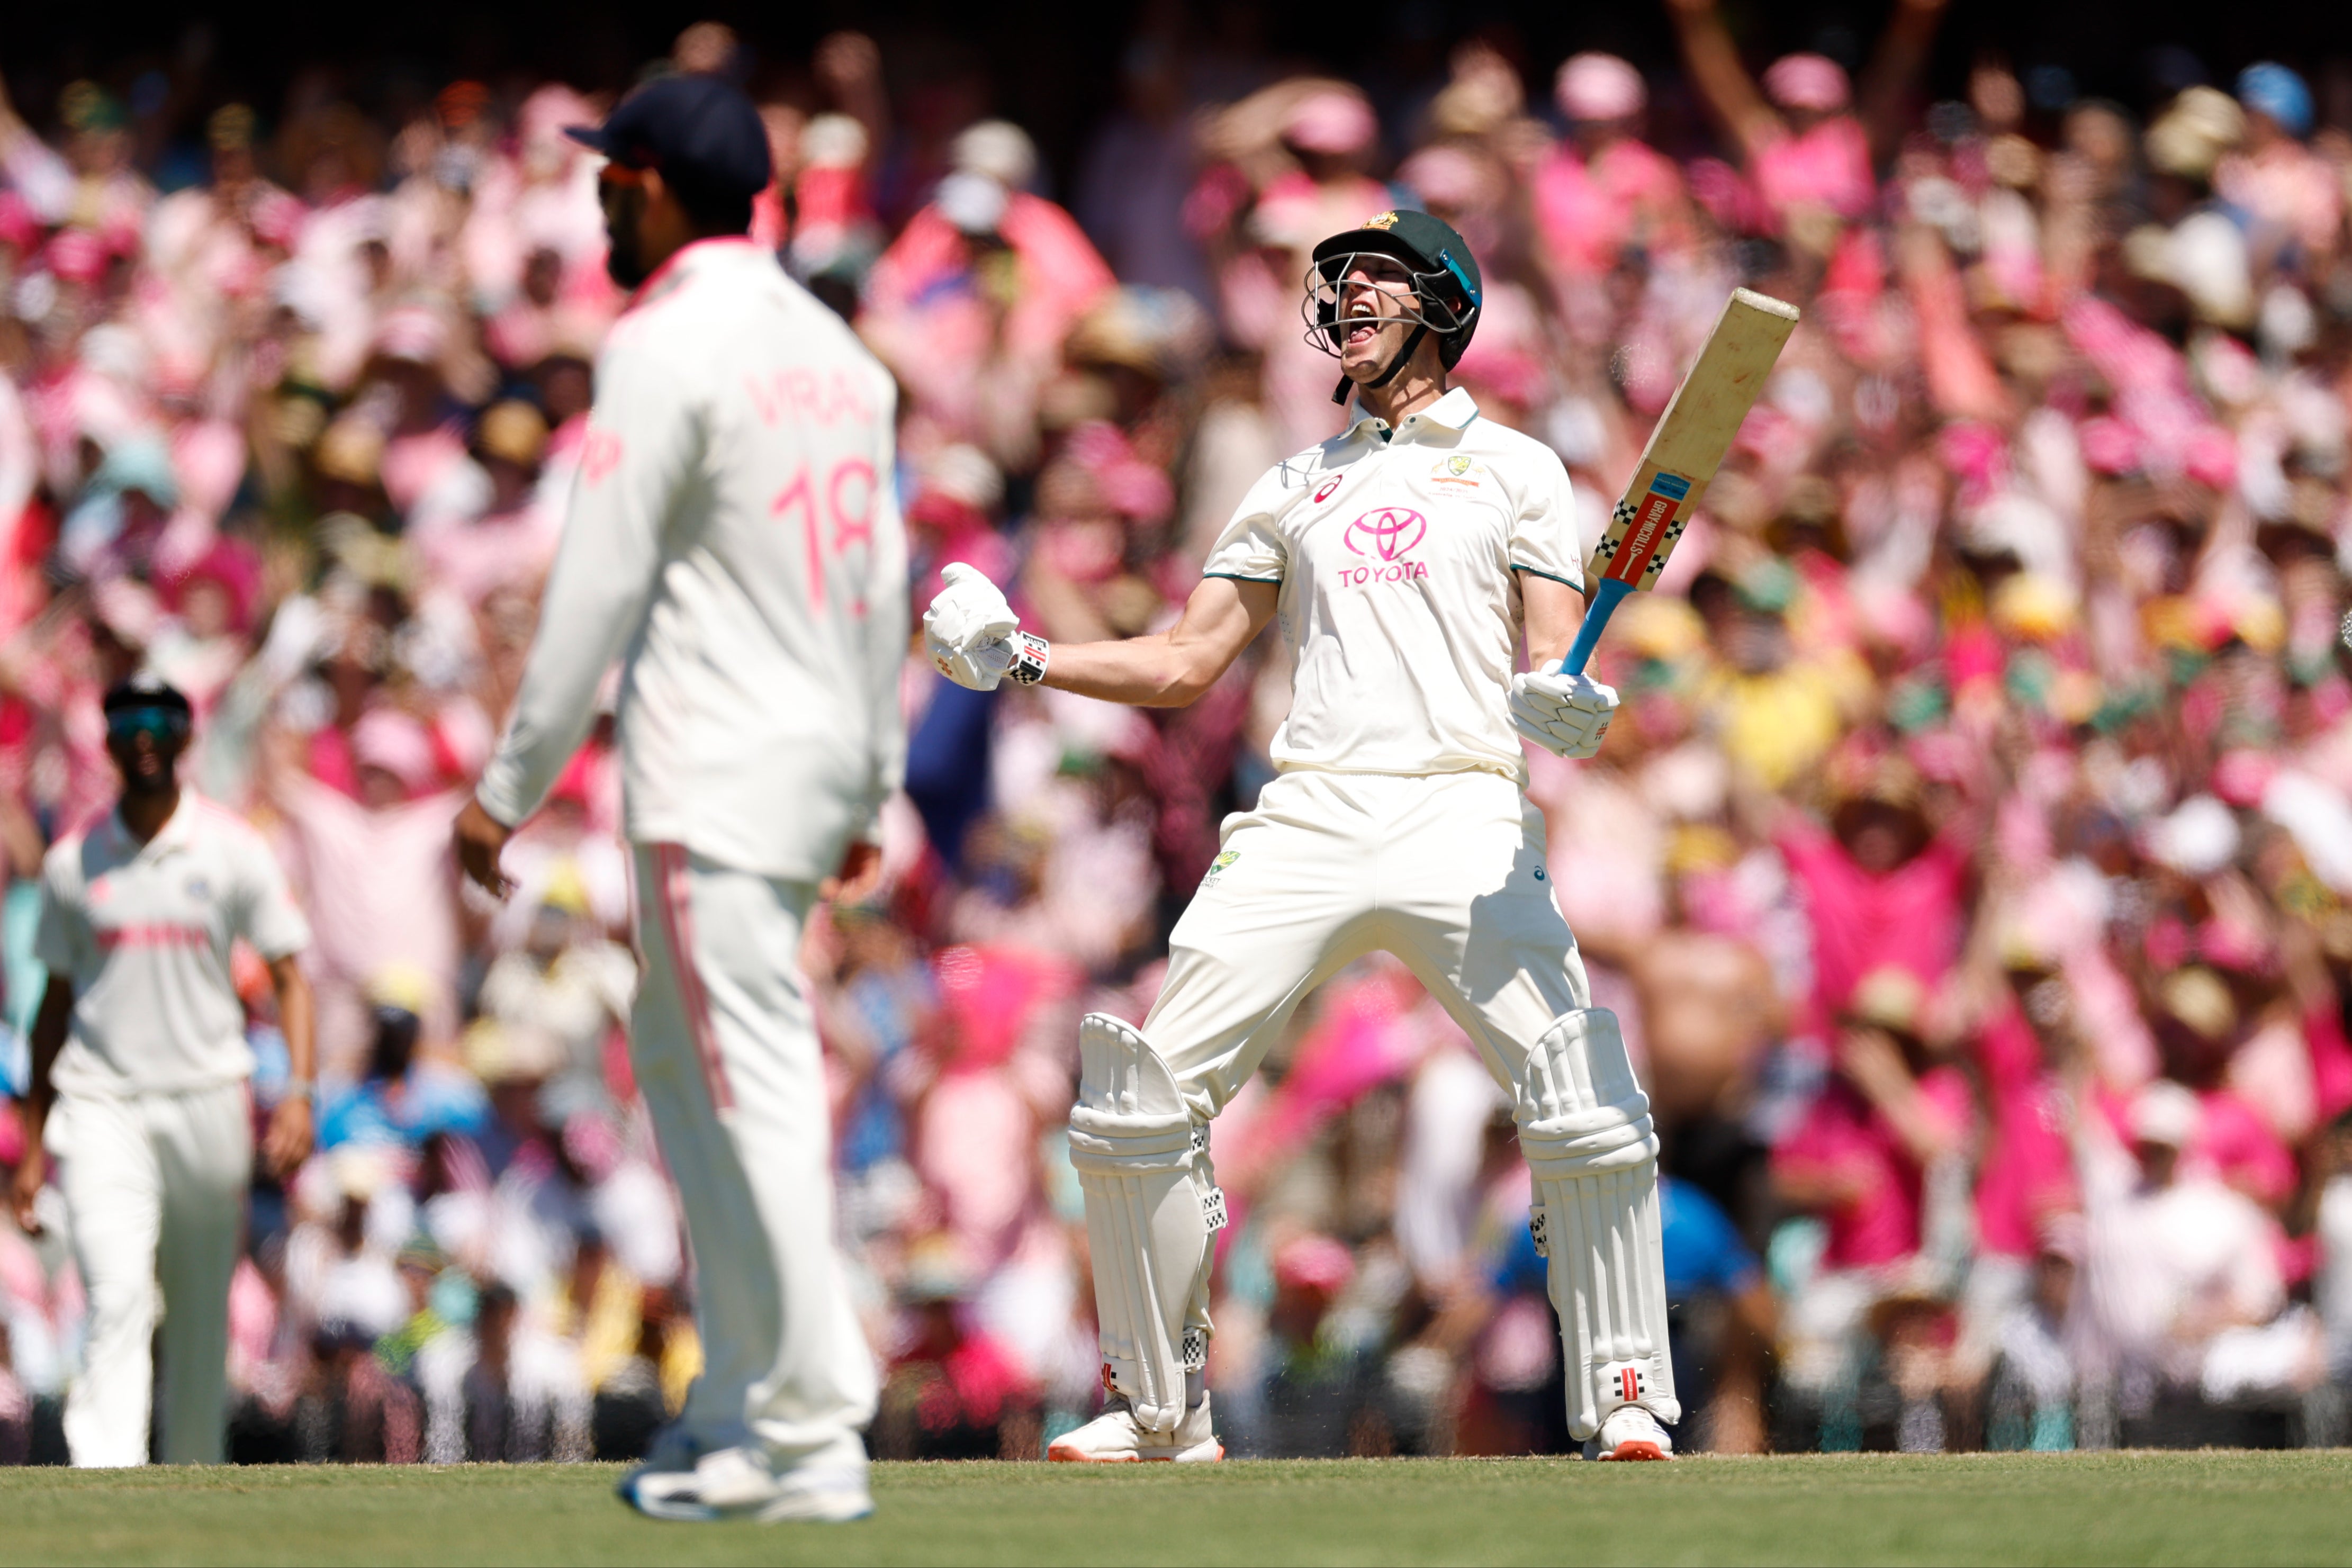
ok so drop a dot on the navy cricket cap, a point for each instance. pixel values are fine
(144, 690)
(701, 132)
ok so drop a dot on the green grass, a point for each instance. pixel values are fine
(2015, 1508)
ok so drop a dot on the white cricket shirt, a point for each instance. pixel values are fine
(143, 933)
(1398, 554)
(735, 543)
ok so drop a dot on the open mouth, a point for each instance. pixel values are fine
(1361, 328)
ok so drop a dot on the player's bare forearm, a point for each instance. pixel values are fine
(1169, 669)
(288, 1142)
(297, 1017)
(1552, 611)
(49, 1027)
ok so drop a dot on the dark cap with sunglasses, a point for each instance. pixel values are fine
(701, 132)
(147, 702)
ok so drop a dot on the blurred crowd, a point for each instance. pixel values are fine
(1969, 864)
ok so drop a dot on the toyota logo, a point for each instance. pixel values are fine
(1390, 531)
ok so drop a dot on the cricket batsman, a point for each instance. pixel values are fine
(140, 1065)
(1406, 558)
(734, 544)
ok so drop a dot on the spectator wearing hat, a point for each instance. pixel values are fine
(377, 874)
(971, 305)
(1304, 147)
(1807, 153)
(1602, 190)
(1874, 1157)
(504, 536)
(2174, 1259)
(2291, 193)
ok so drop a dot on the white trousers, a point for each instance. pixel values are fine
(154, 1188)
(1446, 871)
(726, 1050)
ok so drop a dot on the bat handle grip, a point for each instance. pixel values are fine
(1606, 596)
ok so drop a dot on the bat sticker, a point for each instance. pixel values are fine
(1651, 527)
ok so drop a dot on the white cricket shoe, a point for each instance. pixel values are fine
(1630, 1433)
(1117, 1437)
(742, 1483)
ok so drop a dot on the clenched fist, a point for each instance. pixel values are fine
(974, 639)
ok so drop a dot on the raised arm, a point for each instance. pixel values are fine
(1723, 82)
(975, 640)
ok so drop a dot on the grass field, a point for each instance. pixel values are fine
(2102, 1507)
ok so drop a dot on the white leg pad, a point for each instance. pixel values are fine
(1584, 1127)
(1150, 1210)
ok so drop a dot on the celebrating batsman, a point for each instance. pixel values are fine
(1405, 558)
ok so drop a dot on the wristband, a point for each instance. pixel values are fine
(300, 1088)
(1030, 653)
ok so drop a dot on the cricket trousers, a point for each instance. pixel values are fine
(1446, 871)
(725, 1047)
(154, 1187)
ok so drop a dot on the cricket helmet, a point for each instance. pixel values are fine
(1447, 288)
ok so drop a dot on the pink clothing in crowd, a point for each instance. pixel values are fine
(1825, 166)
(378, 886)
(1911, 917)
(1590, 210)
(1843, 1138)
(933, 313)
(2026, 1172)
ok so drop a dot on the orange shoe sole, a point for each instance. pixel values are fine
(1637, 1448)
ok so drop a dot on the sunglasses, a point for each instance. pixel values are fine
(159, 724)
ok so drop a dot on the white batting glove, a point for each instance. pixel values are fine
(1567, 715)
(973, 637)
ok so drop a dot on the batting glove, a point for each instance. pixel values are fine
(1567, 715)
(974, 639)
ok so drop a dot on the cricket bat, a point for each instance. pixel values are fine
(1684, 450)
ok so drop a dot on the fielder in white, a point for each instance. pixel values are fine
(734, 544)
(1405, 558)
(139, 1093)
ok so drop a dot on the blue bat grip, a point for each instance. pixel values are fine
(1606, 594)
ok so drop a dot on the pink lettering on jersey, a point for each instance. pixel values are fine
(850, 493)
(804, 396)
(137, 937)
(600, 454)
(1392, 572)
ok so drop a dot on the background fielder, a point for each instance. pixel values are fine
(141, 1042)
(1404, 557)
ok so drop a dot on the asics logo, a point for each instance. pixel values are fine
(1387, 531)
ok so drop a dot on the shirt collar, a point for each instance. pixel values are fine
(690, 259)
(1454, 411)
(175, 833)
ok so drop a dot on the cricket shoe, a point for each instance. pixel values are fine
(1630, 1433)
(1117, 1437)
(673, 1448)
(742, 1483)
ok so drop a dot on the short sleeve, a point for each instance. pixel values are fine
(270, 920)
(1251, 549)
(1543, 535)
(54, 939)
